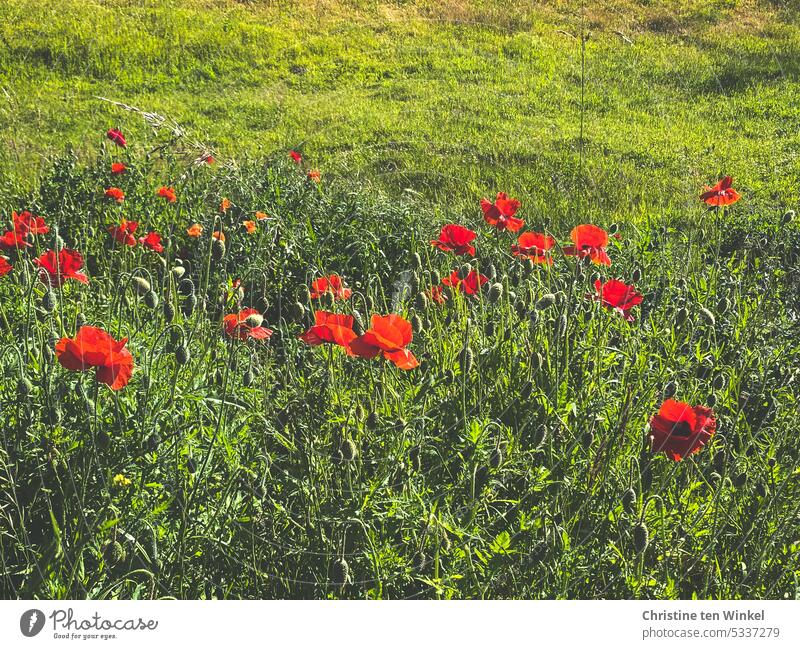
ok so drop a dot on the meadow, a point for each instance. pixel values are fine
(395, 300)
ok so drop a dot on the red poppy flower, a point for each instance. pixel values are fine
(245, 324)
(294, 155)
(333, 285)
(55, 269)
(5, 267)
(470, 285)
(249, 226)
(115, 193)
(13, 239)
(436, 294)
(27, 223)
(167, 193)
(618, 296)
(314, 175)
(116, 136)
(123, 233)
(332, 328)
(118, 168)
(152, 240)
(534, 246)
(194, 230)
(389, 335)
(207, 158)
(720, 194)
(590, 241)
(93, 347)
(224, 205)
(457, 239)
(500, 214)
(679, 430)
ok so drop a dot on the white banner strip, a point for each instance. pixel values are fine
(402, 624)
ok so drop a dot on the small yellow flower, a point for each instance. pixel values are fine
(121, 482)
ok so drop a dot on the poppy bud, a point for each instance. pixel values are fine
(48, 353)
(719, 382)
(546, 301)
(521, 308)
(182, 355)
(153, 441)
(771, 462)
(465, 359)
(787, 217)
(586, 439)
(340, 573)
(191, 467)
(417, 260)
(707, 316)
(636, 275)
(169, 311)
(178, 272)
(348, 450)
(416, 323)
(24, 387)
(435, 277)
(490, 329)
(670, 389)
(141, 285)
(641, 537)
(740, 479)
(254, 320)
(561, 325)
(248, 378)
(723, 305)
(49, 301)
(296, 311)
(421, 302)
(151, 300)
(186, 287)
(495, 292)
(537, 361)
(188, 305)
(681, 316)
(629, 500)
(217, 249)
(496, 458)
(80, 320)
(761, 490)
(465, 270)
(372, 420)
(491, 271)
(613, 228)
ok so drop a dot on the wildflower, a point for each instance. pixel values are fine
(26, 223)
(456, 239)
(57, 268)
(332, 328)
(121, 482)
(437, 294)
(115, 193)
(13, 239)
(118, 168)
(194, 230)
(116, 136)
(261, 216)
(206, 158)
(5, 267)
(250, 226)
(314, 175)
(590, 241)
(167, 193)
(246, 324)
(294, 155)
(389, 335)
(618, 296)
(500, 214)
(679, 430)
(721, 194)
(470, 285)
(123, 233)
(224, 205)
(152, 240)
(331, 284)
(93, 347)
(534, 246)
(219, 236)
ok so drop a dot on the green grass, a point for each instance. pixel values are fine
(514, 461)
(448, 100)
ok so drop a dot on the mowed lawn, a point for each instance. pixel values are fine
(450, 100)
